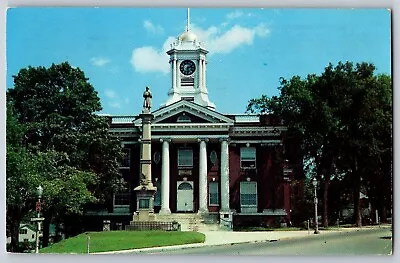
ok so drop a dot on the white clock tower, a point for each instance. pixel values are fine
(188, 59)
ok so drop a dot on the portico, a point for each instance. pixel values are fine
(202, 180)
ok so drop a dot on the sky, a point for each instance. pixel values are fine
(123, 50)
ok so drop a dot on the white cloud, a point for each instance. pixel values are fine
(113, 100)
(150, 27)
(110, 94)
(261, 30)
(234, 15)
(148, 59)
(217, 39)
(99, 61)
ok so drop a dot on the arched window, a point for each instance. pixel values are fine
(185, 186)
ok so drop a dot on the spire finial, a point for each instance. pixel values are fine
(188, 20)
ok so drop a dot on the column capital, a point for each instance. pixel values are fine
(199, 140)
(228, 140)
(166, 140)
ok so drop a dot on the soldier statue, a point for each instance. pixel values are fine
(147, 99)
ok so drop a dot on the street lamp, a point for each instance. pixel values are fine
(315, 183)
(39, 192)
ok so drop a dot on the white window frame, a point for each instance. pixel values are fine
(245, 161)
(213, 189)
(126, 157)
(183, 165)
(248, 197)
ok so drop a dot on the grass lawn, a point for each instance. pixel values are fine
(122, 240)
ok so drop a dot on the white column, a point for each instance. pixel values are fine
(174, 74)
(165, 178)
(224, 176)
(198, 78)
(204, 75)
(177, 76)
(203, 68)
(200, 73)
(203, 178)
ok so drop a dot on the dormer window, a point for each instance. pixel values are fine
(184, 118)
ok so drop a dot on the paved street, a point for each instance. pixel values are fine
(363, 242)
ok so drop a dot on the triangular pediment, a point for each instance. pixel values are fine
(187, 112)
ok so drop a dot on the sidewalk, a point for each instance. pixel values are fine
(215, 238)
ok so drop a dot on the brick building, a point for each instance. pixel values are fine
(231, 167)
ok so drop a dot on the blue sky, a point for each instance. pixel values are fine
(122, 50)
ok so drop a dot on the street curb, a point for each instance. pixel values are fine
(194, 245)
(171, 248)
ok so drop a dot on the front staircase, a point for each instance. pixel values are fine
(193, 221)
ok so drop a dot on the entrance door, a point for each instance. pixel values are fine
(184, 196)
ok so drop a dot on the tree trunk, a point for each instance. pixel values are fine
(14, 227)
(46, 230)
(357, 210)
(384, 214)
(356, 193)
(14, 230)
(327, 180)
(326, 190)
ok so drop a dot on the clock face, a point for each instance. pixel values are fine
(187, 67)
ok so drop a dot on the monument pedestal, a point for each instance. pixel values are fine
(145, 203)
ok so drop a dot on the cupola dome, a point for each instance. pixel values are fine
(188, 36)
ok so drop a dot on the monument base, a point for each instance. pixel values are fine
(145, 203)
(144, 215)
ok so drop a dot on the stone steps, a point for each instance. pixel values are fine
(193, 221)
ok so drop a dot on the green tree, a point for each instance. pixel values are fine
(57, 107)
(366, 119)
(21, 178)
(338, 117)
(304, 108)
